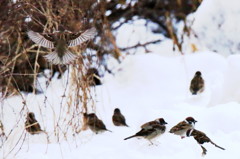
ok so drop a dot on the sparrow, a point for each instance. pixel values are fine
(93, 77)
(182, 127)
(201, 138)
(150, 123)
(31, 125)
(85, 119)
(197, 84)
(151, 130)
(60, 41)
(118, 119)
(2, 133)
(95, 124)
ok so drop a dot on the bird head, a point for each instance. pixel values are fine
(191, 120)
(31, 115)
(161, 121)
(117, 110)
(198, 73)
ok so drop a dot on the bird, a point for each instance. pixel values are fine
(150, 123)
(31, 125)
(60, 41)
(93, 77)
(2, 133)
(118, 119)
(182, 127)
(197, 84)
(151, 130)
(95, 124)
(85, 119)
(201, 138)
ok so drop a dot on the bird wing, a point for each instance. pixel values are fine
(150, 130)
(197, 83)
(86, 35)
(119, 119)
(40, 39)
(180, 126)
(200, 137)
(148, 124)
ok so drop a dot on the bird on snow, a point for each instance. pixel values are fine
(31, 125)
(182, 127)
(197, 84)
(60, 41)
(118, 119)
(201, 138)
(95, 124)
(151, 130)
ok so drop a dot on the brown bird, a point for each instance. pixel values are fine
(85, 120)
(60, 41)
(197, 84)
(95, 124)
(182, 127)
(2, 133)
(31, 125)
(151, 130)
(118, 119)
(201, 138)
(150, 123)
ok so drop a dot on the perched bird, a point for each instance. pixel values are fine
(197, 84)
(150, 123)
(118, 119)
(93, 77)
(95, 124)
(85, 119)
(201, 138)
(2, 133)
(31, 125)
(151, 130)
(182, 127)
(60, 41)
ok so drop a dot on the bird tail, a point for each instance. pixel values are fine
(194, 93)
(217, 145)
(130, 137)
(67, 58)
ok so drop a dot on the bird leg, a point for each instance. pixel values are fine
(151, 143)
(182, 137)
(204, 150)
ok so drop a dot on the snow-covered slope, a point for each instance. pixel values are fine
(145, 87)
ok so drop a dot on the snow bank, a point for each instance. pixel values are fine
(216, 26)
(145, 88)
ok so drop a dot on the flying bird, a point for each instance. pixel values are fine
(31, 125)
(95, 124)
(151, 130)
(197, 84)
(201, 138)
(118, 119)
(60, 41)
(182, 127)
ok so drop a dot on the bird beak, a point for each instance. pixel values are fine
(195, 121)
(165, 123)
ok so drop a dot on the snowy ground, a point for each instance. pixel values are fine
(146, 87)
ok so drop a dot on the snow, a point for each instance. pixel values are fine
(216, 25)
(144, 87)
